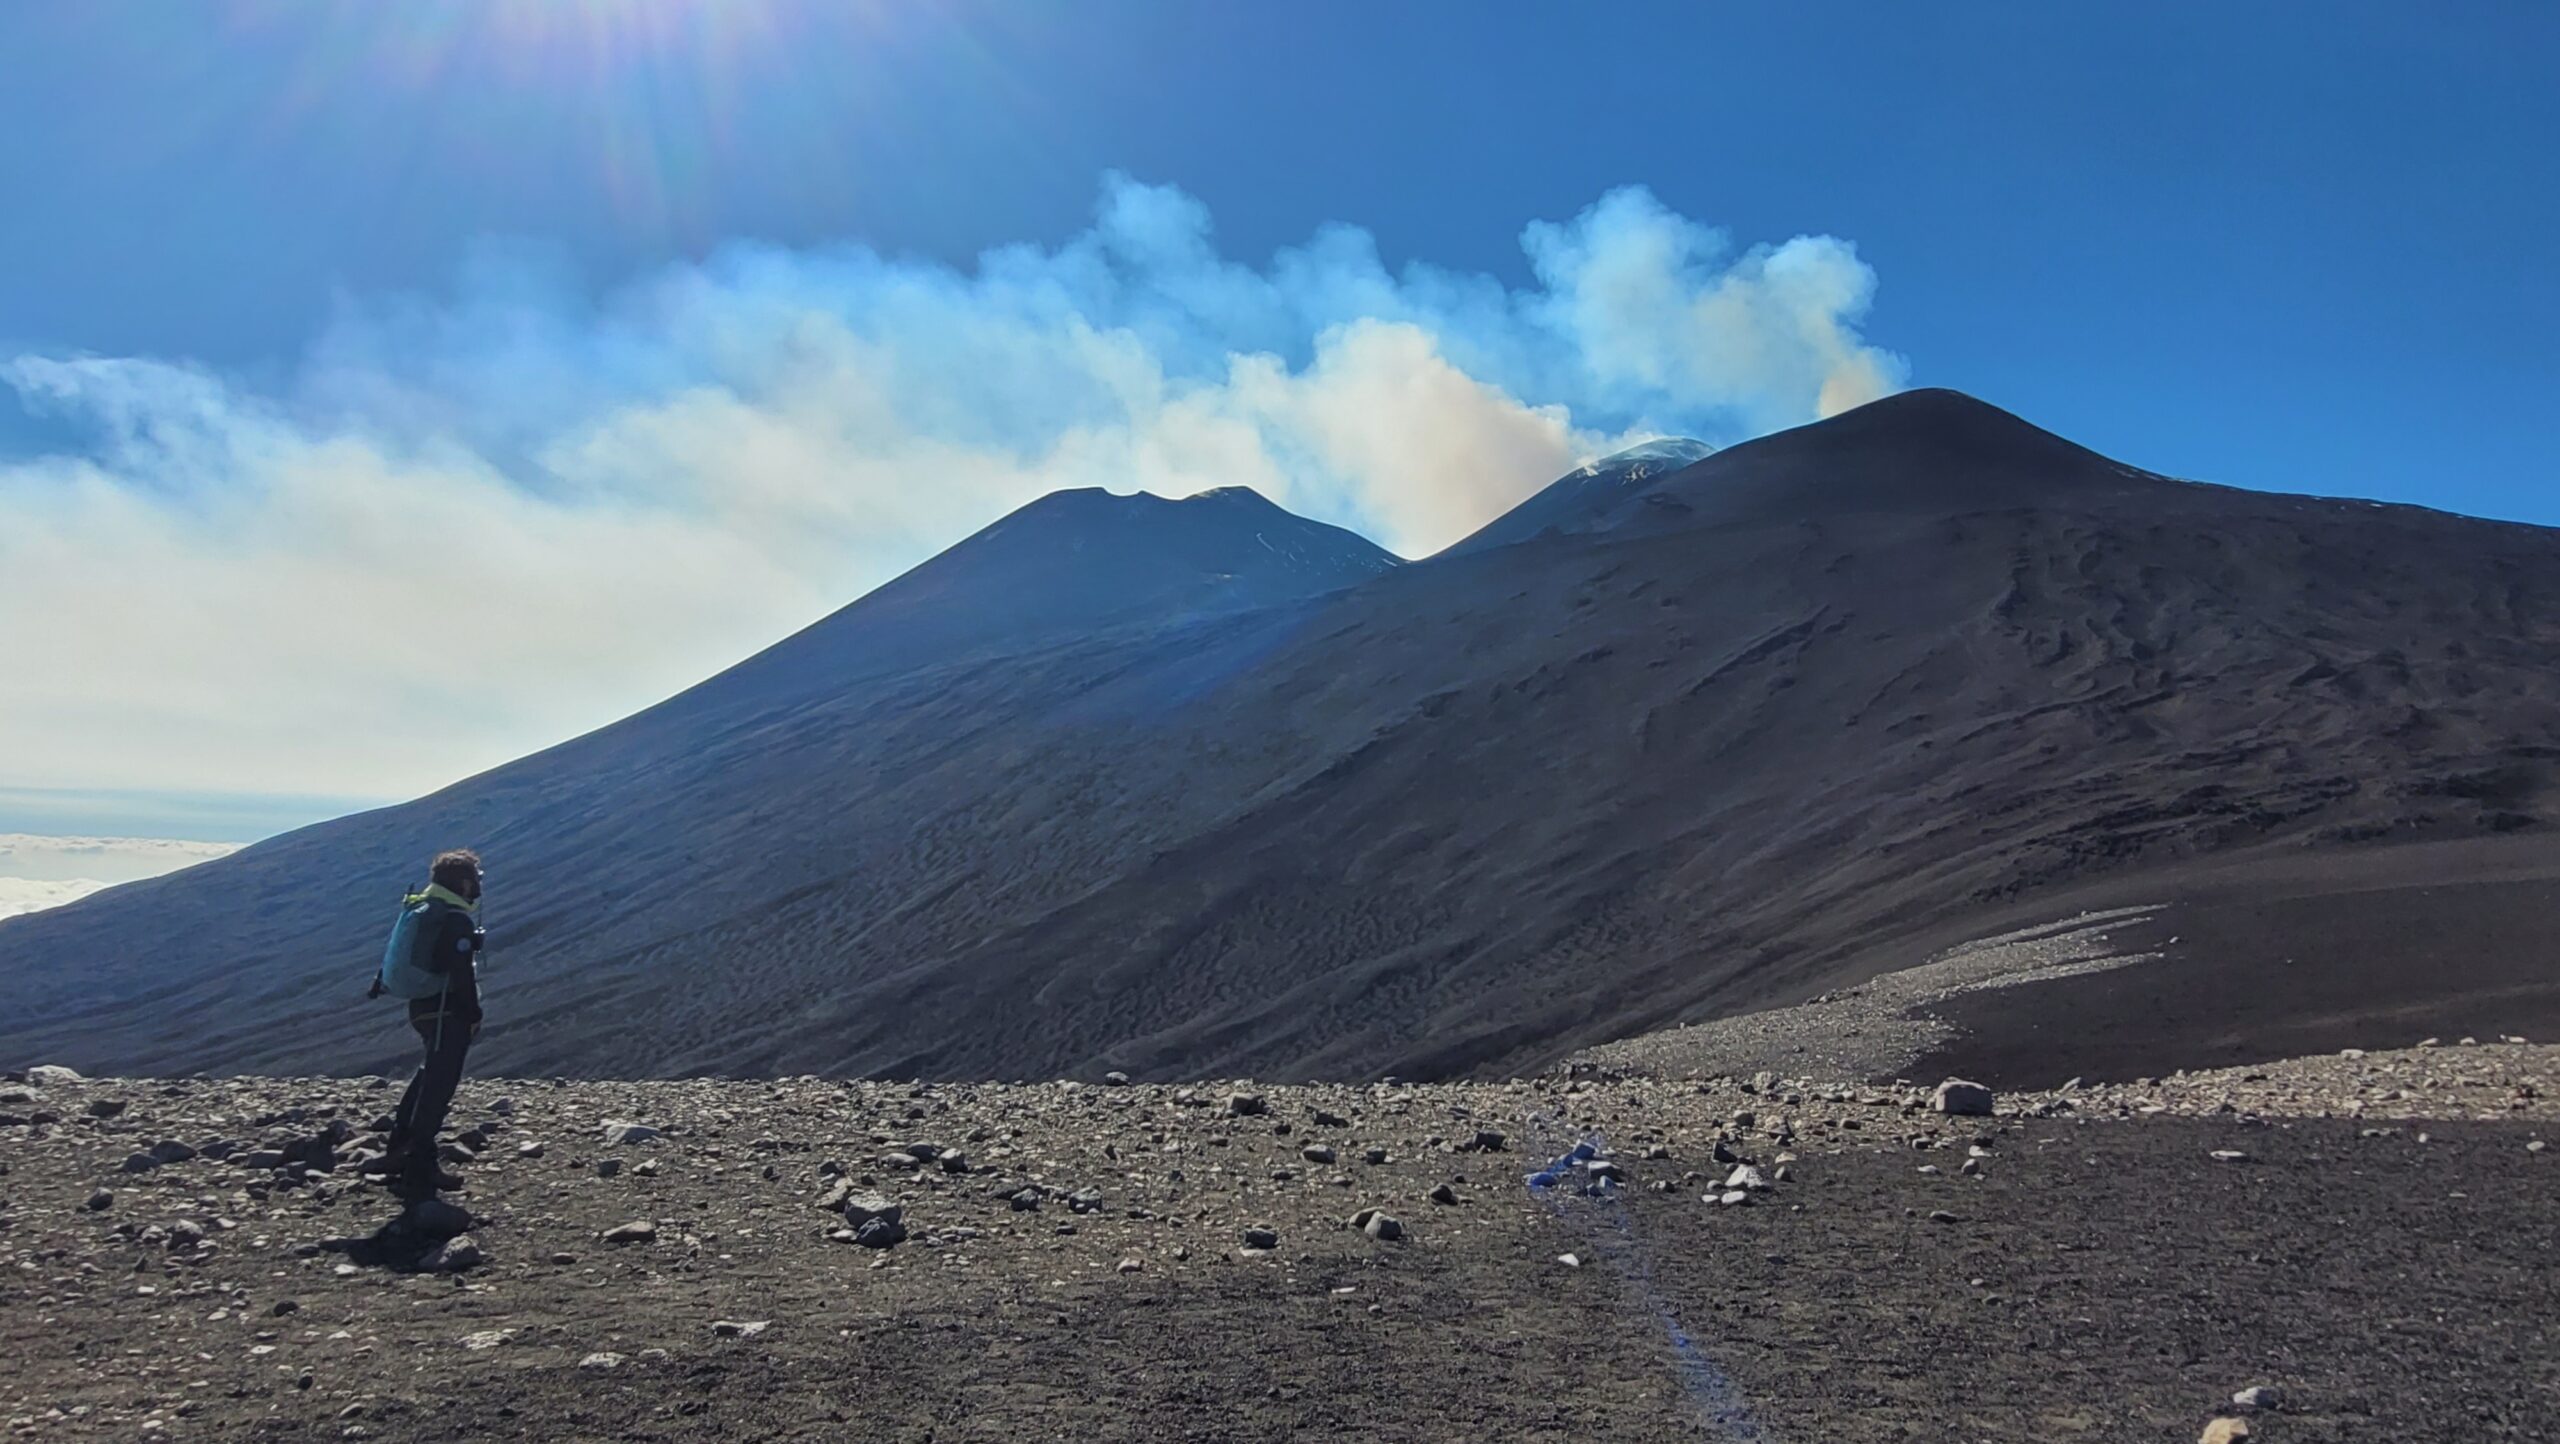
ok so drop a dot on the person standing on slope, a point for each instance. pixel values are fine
(430, 962)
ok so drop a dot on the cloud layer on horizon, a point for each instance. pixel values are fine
(471, 526)
(39, 872)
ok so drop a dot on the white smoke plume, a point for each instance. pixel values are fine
(471, 526)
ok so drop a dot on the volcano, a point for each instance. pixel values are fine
(1199, 788)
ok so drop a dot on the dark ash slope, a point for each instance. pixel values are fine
(1738, 737)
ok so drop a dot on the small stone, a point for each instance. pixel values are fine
(533, 1149)
(1970, 1168)
(52, 1075)
(1116, 1079)
(1316, 1153)
(880, 1231)
(740, 1328)
(1571, 1261)
(1444, 1195)
(859, 1208)
(487, 1339)
(1375, 1155)
(1246, 1105)
(2536, 1146)
(1942, 1216)
(1384, 1228)
(282, 1307)
(2259, 1396)
(105, 1107)
(434, 1218)
(1131, 1265)
(608, 1167)
(170, 1150)
(100, 1201)
(2225, 1430)
(637, 1231)
(1733, 1198)
(2229, 1155)
(601, 1360)
(452, 1256)
(1488, 1140)
(1260, 1238)
(1746, 1177)
(1325, 1119)
(625, 1133)
(1958, 1098)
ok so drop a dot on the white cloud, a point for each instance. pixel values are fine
(38, 872)
(472, 527)
(21, 895)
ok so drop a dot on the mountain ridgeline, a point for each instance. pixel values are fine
(1200, 788)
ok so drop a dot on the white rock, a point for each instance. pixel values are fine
(2259, 1396)
(452, 1256)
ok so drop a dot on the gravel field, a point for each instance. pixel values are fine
(1074, 1261)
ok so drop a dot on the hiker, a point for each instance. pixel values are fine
(429, 962)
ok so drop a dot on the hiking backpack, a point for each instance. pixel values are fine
(404, 972)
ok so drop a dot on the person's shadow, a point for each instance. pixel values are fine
(414, 1240)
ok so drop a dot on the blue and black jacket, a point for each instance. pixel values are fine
(454, 952)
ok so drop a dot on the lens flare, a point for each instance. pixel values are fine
(651, 95)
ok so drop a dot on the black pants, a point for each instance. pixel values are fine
(415, 1123)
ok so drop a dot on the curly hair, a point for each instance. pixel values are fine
(453, 869)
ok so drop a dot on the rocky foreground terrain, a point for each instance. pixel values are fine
(2365, 1242)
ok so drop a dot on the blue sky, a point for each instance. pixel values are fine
(273, 272)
